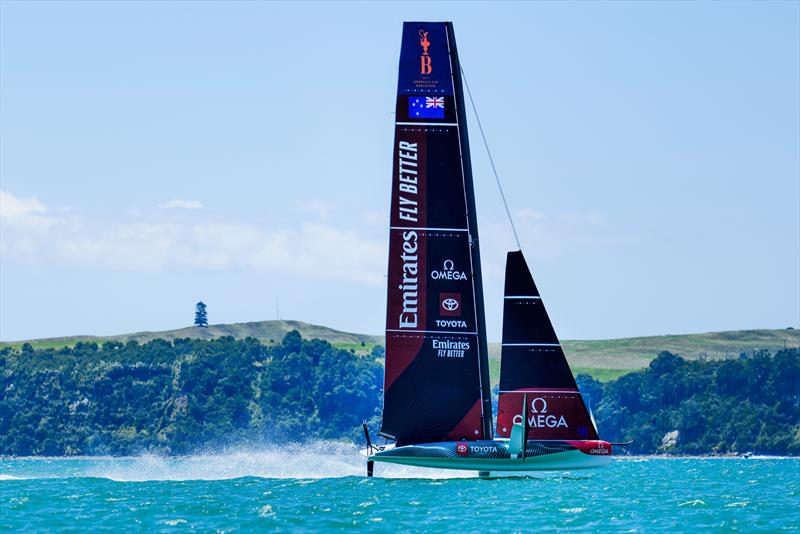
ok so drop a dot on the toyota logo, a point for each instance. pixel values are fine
(450, 304)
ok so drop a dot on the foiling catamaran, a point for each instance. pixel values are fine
(437, 401)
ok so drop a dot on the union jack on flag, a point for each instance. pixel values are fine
(426, 107)
(434, 102)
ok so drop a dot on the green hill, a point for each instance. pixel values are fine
(268, 332)
(604, 359)
(636, 352)
(609, 358)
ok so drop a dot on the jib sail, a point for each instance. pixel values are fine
(533, 366)
(436, 380)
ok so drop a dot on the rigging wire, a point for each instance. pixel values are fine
(491, 160)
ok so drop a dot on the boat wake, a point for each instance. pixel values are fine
(323, 459)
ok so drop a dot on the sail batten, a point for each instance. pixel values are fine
(434, 388)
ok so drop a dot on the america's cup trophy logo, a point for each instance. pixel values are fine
(424, 59)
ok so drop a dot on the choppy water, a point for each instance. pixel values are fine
(293, 490)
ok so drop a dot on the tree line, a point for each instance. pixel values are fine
(193, 395)
(181, 397)
(747, 404)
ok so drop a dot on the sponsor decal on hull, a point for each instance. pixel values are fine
(593, 448)
(495, 451)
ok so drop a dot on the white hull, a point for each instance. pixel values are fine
(562, 460)
(498, 455)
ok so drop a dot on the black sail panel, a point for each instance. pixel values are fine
(533, 366)
(539, 367)
(433, 387)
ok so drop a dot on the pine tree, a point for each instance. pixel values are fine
(200, 316)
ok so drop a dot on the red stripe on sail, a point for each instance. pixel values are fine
(470, 426)
(403, 348)
(408, 249)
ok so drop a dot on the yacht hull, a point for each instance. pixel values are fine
(494, 455)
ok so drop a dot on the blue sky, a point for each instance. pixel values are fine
(155, 154)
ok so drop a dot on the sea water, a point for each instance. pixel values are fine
(325, 489)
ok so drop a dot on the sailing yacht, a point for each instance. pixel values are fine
(437, 402)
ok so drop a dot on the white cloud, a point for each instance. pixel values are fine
(24, 223)
(530, 214)
(150, 243)
(377, 219)
(318, 208)
(179, 203)
(12, 207)
(544, 236)
(591, 219)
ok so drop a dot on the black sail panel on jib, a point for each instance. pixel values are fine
(434, 384)
(533, 366)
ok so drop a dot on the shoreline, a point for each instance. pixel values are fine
(155, 456)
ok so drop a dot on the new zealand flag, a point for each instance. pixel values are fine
(426, 107)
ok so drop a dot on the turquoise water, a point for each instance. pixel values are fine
(300, 491)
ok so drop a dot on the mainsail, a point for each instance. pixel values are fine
(436, 384)
(533, 366)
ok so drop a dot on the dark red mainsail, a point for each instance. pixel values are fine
(436, 385)
(533, 366)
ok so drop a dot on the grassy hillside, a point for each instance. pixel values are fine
(609, 358)
(636, 352)
(268, 332)
(603, 359)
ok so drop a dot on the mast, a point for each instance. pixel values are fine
(483, 348)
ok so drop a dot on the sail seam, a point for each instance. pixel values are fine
(531, 344)
(451, 124)
(432, 332)
(429, 229)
